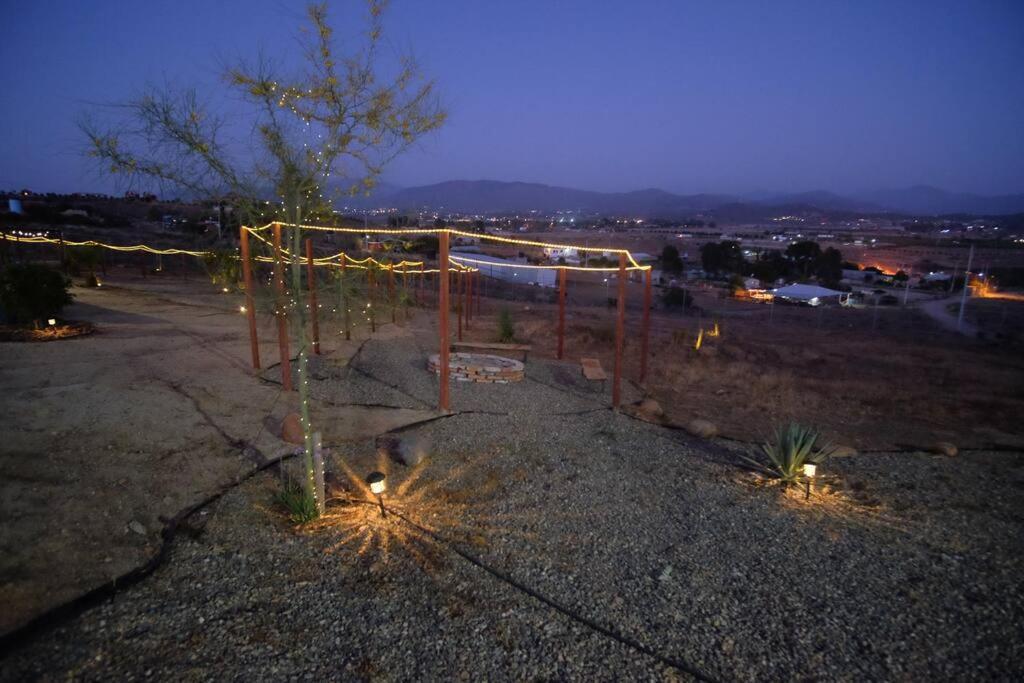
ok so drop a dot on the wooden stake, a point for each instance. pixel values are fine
(314, 313)
(620, 335)
(250, 305)
(561, 312)
(282, 321)
(646, 328)
(442, 323)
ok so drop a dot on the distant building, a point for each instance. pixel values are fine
(505, 269)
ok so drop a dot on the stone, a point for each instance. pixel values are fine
(403, 451)
(136, 526)
(843, 452)
(651, 407)
(291, 429)
(944, 448)
(702, 429)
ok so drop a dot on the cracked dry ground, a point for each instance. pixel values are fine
(108, 436)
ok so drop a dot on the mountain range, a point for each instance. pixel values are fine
(494, 196)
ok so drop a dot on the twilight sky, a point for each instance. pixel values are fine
(711, 96)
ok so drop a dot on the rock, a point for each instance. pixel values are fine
(944, 448)
(291, 429)
(702, 429)
(650, 407)
(136, 526)
(843, 452)
(403, 451)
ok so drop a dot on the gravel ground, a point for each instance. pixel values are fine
(901, 566)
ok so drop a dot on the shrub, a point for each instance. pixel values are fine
(223, 267)
(506, 328)
(789, 448)
(300, 506)
(676, 297)
(30, 292)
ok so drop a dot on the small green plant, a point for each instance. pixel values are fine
(789, 448)
(30, 292)
(223, 267)
(300, 506)
(506, 328)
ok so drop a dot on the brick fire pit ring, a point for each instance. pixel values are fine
(479, 367)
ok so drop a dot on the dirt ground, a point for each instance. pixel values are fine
(891, 379)
(106, 437)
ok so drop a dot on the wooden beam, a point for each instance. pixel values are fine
(620, 335)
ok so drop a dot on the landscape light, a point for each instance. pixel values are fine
(809, 471)
(225, 290)
(51, 321)
(241, 309)
(376, 482)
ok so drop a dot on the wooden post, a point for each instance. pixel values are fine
(391, 289)
(314, 314)
(419, 287)
(250, 305)
(469, 297)
(346, 303)
(561, 312)
(442, 312)
(620, 335)
(63, 255)
(646, 328)
(282, 322)
(460, 285)
(372, 287)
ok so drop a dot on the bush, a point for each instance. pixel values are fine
(30, 292)
(506, 328)
(676, 297)
(790, 447)
(300, 506)
(223, 267)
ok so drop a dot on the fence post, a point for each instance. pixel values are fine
(372, 286)
(391, 290)
(468, 299)
(311, 277)
(646, 328)
(442, 312)
(250, 305)
(419, 287)
(620, 334)
(561, 312)
(347, 313)
(282, 322)
(460, 285)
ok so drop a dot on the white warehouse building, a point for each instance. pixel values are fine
(504, 269)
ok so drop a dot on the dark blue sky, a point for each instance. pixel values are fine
(688, 96)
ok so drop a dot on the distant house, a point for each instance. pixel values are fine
(809, 295)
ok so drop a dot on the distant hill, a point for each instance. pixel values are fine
(494, 196)
(925, 199)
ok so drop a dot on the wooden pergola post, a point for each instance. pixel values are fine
(469, 297)
(419, 287)
(620, 334)
(250, 305)
(646, 326)
(561, 312)
(347, 313)
(442, 323)
(460, 285)
(372, 286)
(282, 322)
(391, 289)
(314, 314)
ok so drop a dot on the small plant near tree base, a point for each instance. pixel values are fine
(223, 267)
(789, 449)
(297, 502)
(506, 328)
(30, 293)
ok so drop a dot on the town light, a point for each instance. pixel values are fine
(809, 471)
(376, 482)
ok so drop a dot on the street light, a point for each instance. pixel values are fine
(809, 471)
(377, 483)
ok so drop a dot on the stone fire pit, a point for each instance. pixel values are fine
(478, 367)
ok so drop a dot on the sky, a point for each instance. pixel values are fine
(712, 96)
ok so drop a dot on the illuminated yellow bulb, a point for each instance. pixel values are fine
(810, 469)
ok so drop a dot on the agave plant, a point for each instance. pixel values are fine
(790, 447)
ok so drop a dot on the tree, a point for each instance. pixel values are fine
(721, 257)
(804, 254)
(676, 297)
(341, 116)
(771, 266)
(829, 267)
(670, 261)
